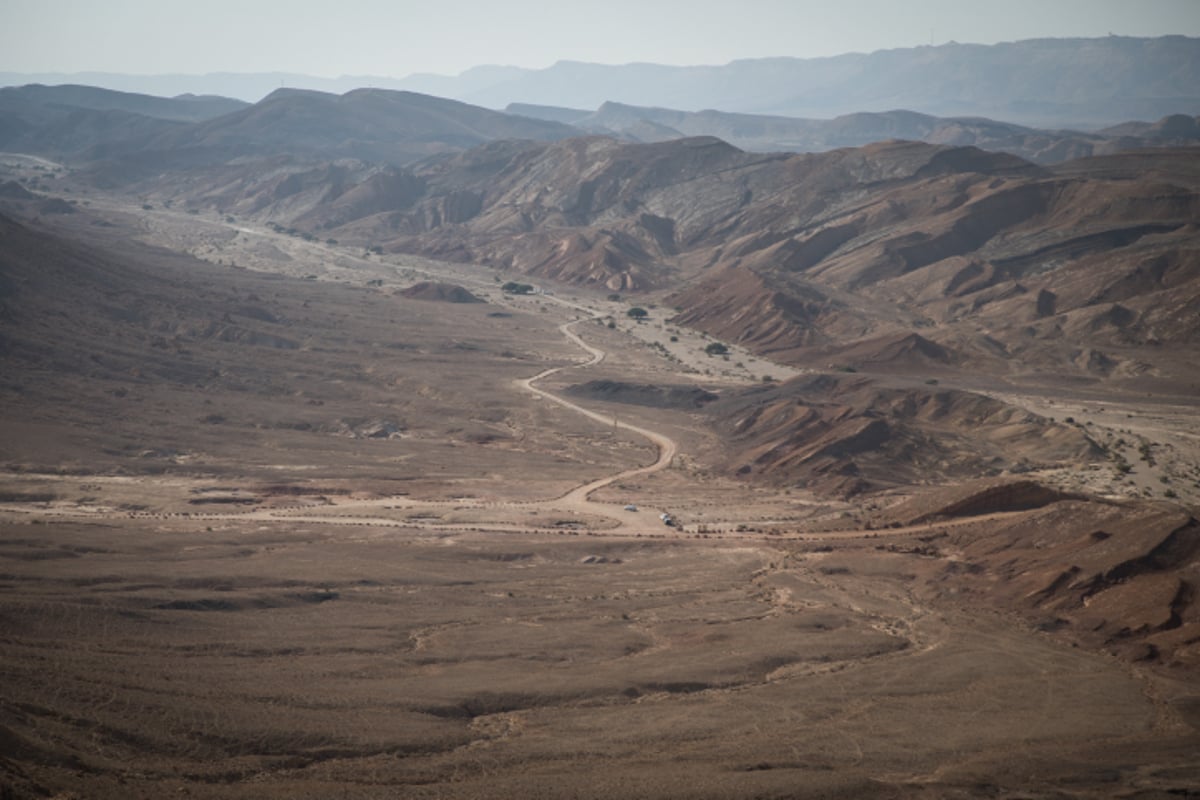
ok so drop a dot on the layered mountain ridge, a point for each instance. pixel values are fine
(831, 258)
(909, 261)
(1068, 82)
(762, 133)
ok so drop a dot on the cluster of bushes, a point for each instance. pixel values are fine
(275, 226)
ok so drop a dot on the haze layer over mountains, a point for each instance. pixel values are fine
(1085, 83)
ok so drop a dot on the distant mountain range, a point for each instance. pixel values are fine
(135, 132)
(1083, 83)
(367, 124)
(766, 134)
(1079, 83)
(78, 120)
(138, 132)
(64, 98)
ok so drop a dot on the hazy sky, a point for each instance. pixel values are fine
(398, 37)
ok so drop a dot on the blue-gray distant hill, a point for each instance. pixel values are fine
(1042, 82)
(66, 97)
(1077, 83)
(767, 134)
(87, 125)
(62, 120)
(369, 124)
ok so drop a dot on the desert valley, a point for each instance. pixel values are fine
(377, 444)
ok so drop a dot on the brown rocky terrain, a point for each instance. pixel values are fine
(1120, 576)
(950, 256)
(287, 532)
(848, 434)
(914, 264)
(890, 257)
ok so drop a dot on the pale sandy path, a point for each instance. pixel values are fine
(666, 446)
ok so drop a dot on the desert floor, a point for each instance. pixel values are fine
(465, 608)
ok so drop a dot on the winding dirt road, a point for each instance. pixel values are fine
(576, 500)
(666, 446)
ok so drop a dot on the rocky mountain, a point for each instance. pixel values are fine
(250, 87)
(76, 122)
(886, 256)
(894, 256)
(761, 133)
(371, 125)
(1076, 83)
(845, 434)
(1041, 82)
(247, 87)
(995, 272)
(59, 132)
(66, 98)
(1174, 128)
(1116, 576)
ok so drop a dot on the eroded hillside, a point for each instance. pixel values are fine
(968, 259)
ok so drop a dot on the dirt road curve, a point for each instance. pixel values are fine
(666, 446)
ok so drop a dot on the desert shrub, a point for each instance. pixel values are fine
(716, 349)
